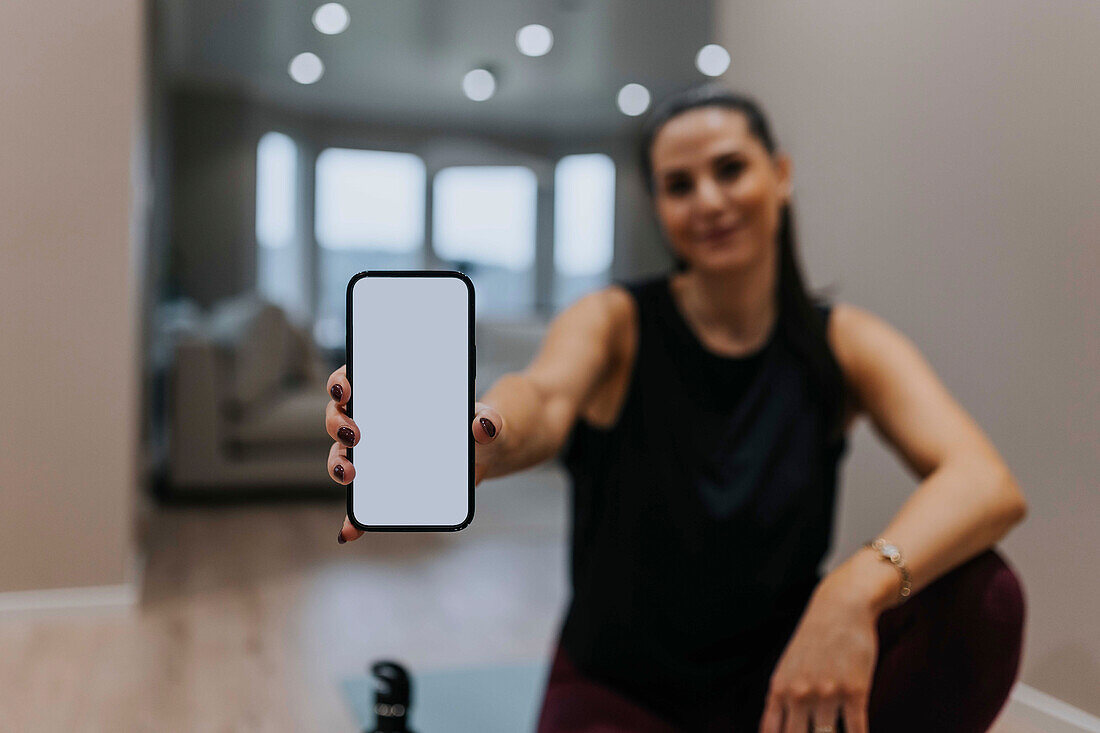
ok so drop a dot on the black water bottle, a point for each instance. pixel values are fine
(392, 695)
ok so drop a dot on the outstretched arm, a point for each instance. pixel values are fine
(525, 417)
(536, 408)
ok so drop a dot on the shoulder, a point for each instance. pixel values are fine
(602, 319)
(866, 346)
(609, 308)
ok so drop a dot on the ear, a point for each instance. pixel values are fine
(783, 172)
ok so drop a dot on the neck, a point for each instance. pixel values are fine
(738, 307)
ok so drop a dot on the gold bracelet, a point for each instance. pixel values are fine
(891, 554)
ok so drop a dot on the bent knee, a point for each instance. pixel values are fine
(992, 589)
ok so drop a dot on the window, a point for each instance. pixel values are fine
(276, 175)
(584, 224)
(278, 256)
(369, 209)
(485, 215)
(483, 222)
(368, 199)
(584, 214)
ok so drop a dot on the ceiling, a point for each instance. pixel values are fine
(402, 61)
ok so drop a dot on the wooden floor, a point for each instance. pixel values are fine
(251, 616)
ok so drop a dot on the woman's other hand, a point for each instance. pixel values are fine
(486, 427)
(825, 672)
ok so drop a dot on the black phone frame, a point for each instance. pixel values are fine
(472, 370)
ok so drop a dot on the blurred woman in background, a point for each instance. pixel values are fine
(702, 415)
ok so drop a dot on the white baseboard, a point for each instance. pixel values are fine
(1029, 709)
(97, 598)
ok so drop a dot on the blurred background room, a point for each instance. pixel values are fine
(186, 188)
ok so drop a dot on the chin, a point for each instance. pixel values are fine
(722, 259)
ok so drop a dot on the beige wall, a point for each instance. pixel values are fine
(947, 177)
(69, 81)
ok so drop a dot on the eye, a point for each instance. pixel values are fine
(730, 169)
(677, 186)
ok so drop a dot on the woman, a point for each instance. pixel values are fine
(703, 415)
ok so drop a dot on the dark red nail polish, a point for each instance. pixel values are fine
(337, 392)
(340, 537)
(346, 435)
(487, 424)
(339, 471)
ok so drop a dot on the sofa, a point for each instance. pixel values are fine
(245, 388)
(246, 404)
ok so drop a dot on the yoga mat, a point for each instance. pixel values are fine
(497, 699)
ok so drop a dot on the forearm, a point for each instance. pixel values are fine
(527, 437)
(959, 510)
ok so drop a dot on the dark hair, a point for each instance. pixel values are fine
(800, 322)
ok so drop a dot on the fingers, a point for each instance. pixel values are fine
(349, 532)
(339, 467)
(772, 720)
(340, 427)
(796, 710)
(825, 714)
(855, 716)
(338, 386)
(343, 429)
(488, 424)
(798, 718)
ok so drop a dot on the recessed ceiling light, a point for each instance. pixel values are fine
(479, 84)
(633, 99)
(306, 68)
(331, 18)
(534, 40)
(712, 60)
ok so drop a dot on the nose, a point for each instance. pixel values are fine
(708, 196)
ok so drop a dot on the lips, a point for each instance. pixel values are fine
(717, 234)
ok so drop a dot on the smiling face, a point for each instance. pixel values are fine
(717, 190)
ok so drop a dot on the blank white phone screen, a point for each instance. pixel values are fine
(410, 397)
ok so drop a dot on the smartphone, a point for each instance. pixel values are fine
(411, 363)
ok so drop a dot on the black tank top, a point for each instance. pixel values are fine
(700, 518)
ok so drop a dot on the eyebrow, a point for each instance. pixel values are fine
(734, 153)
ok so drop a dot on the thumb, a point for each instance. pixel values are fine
(488, 424)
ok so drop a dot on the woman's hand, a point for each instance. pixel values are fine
(486, 427)
(825, 672)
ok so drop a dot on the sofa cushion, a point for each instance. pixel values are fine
(294, 419)
(305, 362)
(253, 335)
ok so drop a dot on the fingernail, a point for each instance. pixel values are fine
(336, 391)
(340, 537)
(346, 435)
(488, 426)
(339, 471)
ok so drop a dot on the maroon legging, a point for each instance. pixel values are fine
(947, 660)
